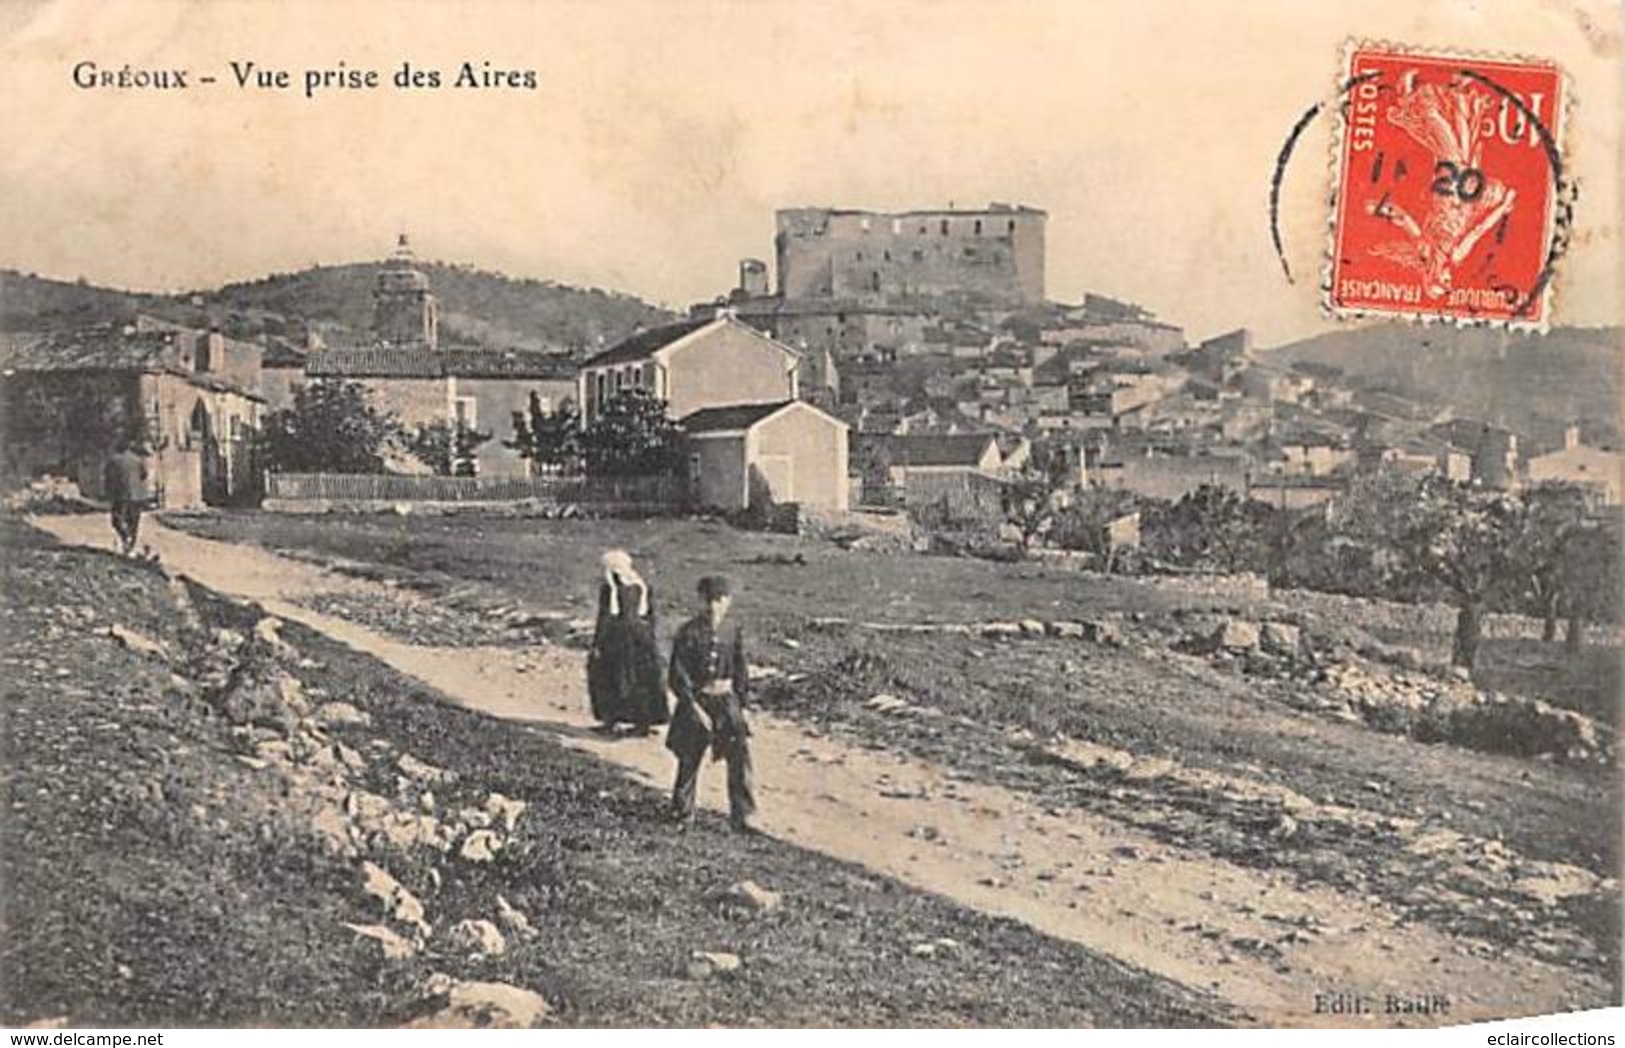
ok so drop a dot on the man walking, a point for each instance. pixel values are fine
(711, 680)
(129, 489)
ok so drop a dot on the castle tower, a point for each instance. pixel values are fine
(404, 310)
(752, 278)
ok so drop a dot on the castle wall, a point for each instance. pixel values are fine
(996, 255)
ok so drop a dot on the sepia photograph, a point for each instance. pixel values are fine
(807, 514)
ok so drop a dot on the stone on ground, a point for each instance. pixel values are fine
(505, 810)
(478, 937)
(1235, 635)
(748, 895)
(340, 715)
(1281, 638)
(512, 917)
(703, 964)
(137, 642)
(413, 768)
(391, 946)
(480, 846)
(485, 1005)
(397, 902)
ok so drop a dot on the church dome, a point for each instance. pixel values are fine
(402, 273)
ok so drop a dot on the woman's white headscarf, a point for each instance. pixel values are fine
(618, 565)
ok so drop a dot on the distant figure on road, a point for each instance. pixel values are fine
(711, 680)
(624, 677)
(129, 489)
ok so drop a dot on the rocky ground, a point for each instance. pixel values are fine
(1321, 737)
(214, 817)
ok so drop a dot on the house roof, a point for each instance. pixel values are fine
(281, 353)
(645, 344)
(395, 362)
(730, 418)
(960, 449)
(109, 349)
(95, 349)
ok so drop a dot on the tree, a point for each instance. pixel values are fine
(1441, 539)
(1214, 527)
(76, 415)
(332, 427)
(1027, 507)
(1031, 499)
(448, 448)
(1083, 524)
(1590, 574)
(631, 436)
(1555, 515)
(551, 440)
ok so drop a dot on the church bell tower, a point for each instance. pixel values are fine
(405, 313)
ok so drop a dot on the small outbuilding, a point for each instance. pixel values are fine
(789, 451)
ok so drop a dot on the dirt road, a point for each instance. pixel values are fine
(1282, 953)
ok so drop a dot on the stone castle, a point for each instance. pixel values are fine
(994, 256)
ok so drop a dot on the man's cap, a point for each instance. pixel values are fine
(714, 586)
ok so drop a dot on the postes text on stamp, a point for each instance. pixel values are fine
(1449, 171)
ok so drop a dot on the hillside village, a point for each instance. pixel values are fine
(932, 362)
(1099, 674)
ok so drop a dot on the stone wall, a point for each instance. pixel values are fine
(874, 257)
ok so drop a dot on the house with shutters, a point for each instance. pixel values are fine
(692, 365)
(475, 389)
(67, 398)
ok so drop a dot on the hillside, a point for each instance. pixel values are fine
(477, 307)
(1533, 384)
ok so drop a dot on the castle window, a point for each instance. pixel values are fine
(924, 229)
(919, 256)
(978, 227)
(887, 255)
(970, 252)
(874, 281)
(865, 223)
(200, 355)
(467, 413)
(860, 256)
(945, 227)
(1012, 225)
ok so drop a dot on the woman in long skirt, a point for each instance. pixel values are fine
(625, 677)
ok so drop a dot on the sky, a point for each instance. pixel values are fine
(661, 137)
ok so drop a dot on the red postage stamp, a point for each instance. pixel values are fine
(1449, 172)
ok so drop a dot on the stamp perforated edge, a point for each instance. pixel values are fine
(1559, 204)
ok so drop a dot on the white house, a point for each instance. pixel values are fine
(789, 450)
(692, 365)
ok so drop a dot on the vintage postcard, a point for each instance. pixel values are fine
(932, 513)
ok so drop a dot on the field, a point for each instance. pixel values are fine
(156, 876)
(1144, 695)
(1204, 836)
